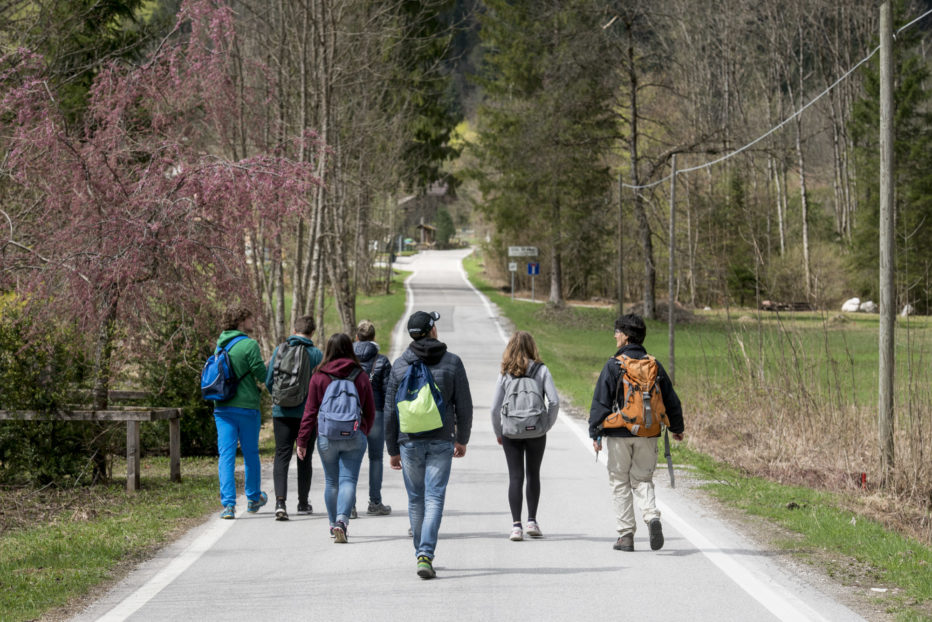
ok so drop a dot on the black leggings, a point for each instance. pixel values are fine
(286, 433)
(517, 452)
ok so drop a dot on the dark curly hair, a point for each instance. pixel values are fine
(233, 316)
(633, 326)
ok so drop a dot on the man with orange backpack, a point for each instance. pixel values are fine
(632, 401)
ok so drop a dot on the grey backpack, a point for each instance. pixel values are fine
(291, 375)
(524, 414)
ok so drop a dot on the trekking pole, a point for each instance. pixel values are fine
(666, 454)
(599, 441)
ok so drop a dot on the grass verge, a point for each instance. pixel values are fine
(823, 527)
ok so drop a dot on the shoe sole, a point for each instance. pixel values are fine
(426, 573)
(656, 535)
(339, 536)
(534, 534)
(378, 513)
(516, 538)
(281, 515)
(228, 517)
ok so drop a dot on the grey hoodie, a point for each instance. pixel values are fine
(450, 375)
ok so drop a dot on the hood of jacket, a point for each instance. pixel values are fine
(227, 335)
(634, 350)
(428, 350)
(297, 340)
(365, 350)
(341, 368)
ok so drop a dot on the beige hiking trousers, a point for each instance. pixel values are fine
(631, 464)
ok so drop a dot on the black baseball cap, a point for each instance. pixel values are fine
(420, 323)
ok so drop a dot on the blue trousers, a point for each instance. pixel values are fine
(426, 466)
(243, 428)
(341, 459)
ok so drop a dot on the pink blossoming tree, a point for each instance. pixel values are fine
(148, 206)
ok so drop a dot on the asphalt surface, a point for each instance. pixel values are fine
(255, 568)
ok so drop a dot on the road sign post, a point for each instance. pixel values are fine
(533, 269)
(512, 267)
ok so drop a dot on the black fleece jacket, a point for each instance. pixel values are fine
(450, 375)
(604, 395)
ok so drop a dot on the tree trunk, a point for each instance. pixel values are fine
(556, 267)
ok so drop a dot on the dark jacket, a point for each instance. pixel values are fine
(376, 365)
(315, 355)
(450, 375)
(339, 368)
(604, 395)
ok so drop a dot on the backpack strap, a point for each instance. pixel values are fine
(229, 347)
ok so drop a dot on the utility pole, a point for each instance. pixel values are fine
(887, 292)
(671, 291)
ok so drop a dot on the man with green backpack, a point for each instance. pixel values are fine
(429, 409)
(288, 379)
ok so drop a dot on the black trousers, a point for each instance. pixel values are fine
(524, 456)
(286, 433)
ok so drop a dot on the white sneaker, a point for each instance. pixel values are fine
(533, 529)
(517, 534)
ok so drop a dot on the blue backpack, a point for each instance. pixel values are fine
(418, 401)
(340, 410)
(218, 380)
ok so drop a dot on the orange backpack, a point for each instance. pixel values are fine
(642, 410)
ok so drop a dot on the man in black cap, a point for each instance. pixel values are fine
(427, 456)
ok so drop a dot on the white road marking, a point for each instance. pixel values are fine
(146, 592)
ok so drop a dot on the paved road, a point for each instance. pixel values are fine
(254, 568)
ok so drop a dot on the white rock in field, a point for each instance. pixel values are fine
(851, 305)
(869, 306)
(706, 308)
(907, 310)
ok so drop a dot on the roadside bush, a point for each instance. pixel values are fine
(170, 373)
(41, 372)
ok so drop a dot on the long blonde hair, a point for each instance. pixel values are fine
(519, 353)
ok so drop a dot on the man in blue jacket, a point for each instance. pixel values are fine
(631, 459)
(286, 421)
(425, 458)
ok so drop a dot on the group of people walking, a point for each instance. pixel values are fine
(351, 401)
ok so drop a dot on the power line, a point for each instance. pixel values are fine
(779, 125)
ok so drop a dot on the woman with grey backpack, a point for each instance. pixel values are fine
(524, 408)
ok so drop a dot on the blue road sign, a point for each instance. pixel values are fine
(533, 268)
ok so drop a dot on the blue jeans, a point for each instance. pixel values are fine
(341, 459)
(233, 427)
(376, 441)
(426, 468)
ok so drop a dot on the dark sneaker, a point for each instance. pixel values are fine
(253, 506)
(353, 513)
(379, 509)
(338, 532)
(280, 512)
(425, 568)
(229, 512)
(305, 508)
(656, 534)
(624, 543)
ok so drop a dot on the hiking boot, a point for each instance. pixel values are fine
(338, 532)
(656, 534)
(280, 512)
(533, 529)
(229, 512)
(353, 513)
(425, 568)
(305, 508)
(379, 509)
(253, 506)
(624, 543)
(517, 534)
